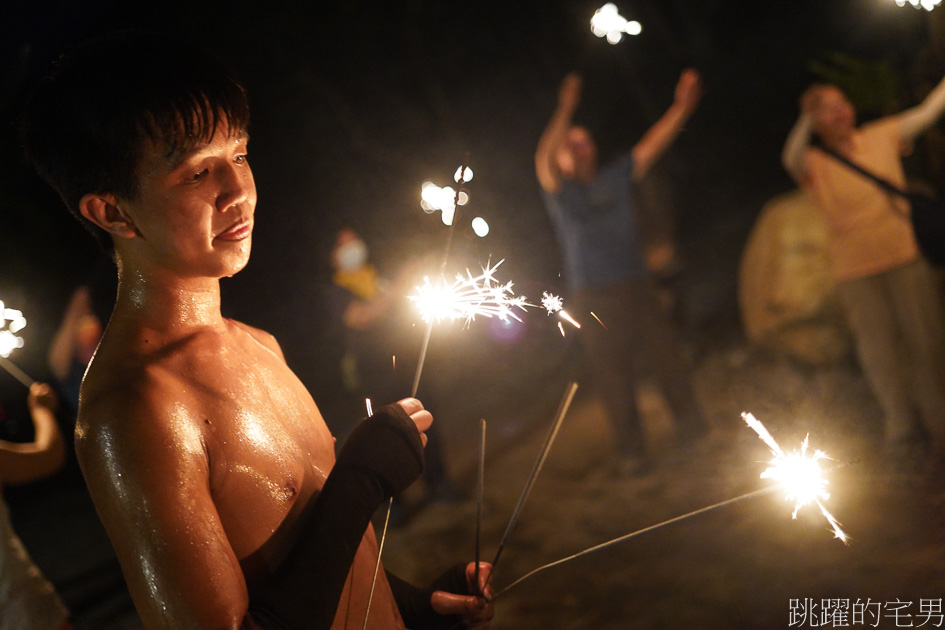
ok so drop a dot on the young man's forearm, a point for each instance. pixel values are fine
(919, 119)
(798, 140)
(381, 458)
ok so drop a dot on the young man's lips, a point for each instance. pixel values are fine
(238, 232)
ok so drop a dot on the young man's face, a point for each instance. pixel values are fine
(577, 156)
(833, 113)
(194, 212)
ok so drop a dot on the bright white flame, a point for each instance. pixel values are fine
(554, 304)
(11, 322)
(607, 22)
(8, 343)
(447, 215)
(480, 227)
(799, 474)
(433, 198)
(467, 297)
(551, 303)
(928, 5)
(437, 198)
(467, 174)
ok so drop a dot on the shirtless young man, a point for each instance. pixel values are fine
(208, 461)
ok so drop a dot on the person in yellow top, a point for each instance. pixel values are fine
(887, 289)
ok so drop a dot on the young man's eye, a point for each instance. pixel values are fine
(242, 158)
(196, 177)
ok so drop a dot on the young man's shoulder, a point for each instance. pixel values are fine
(133, 390)
(131, 399)
(262, 337)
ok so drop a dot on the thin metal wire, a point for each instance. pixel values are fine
(16, 372)
(625, 537)
(536, 469)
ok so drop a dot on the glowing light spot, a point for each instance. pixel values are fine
(480, 227)
(447, 216)
(11, 322)
(467, 174)
(607, 22)
(928, 5)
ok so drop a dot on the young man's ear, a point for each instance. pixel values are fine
(103, 210)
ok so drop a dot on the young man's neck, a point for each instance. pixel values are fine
(164, 302)
(838, 140)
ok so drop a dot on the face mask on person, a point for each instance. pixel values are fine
(352, 255)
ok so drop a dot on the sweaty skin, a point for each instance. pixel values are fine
(200, 446)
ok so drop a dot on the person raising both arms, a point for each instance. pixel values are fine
(590, 207)
(887, 290)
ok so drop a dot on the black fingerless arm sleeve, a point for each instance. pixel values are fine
(383, 455)
(414, 602)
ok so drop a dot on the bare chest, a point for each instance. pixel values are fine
(268, 450)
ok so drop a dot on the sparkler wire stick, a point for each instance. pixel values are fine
(549, 440)
(416, 384)
(423, 356)
(377, 565)
(480, 483)
(380, 547)
(446, 255)
(16, 372)
(610, 543)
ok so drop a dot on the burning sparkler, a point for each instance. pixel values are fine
(551, 303)
(469, 296)
(12, 322)
(607, 22)
(554, 304)
(800, 475)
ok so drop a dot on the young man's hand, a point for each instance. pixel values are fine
(42, 396)
(422, 418)
(569, 94)
(476, 610)
(688, 90)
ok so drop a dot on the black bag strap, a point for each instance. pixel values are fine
(882, 183)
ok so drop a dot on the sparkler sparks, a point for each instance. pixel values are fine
(554, 304)
(551, 303)
(800, 475)
(468, 297)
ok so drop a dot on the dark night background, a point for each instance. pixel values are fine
(355, 104)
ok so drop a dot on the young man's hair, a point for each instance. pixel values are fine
(88, 123)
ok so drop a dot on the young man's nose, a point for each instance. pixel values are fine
(236, 186)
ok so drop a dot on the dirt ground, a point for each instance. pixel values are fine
(744, 565)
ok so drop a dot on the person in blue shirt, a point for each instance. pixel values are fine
(604, 267)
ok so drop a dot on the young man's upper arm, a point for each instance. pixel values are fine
(147, 471)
